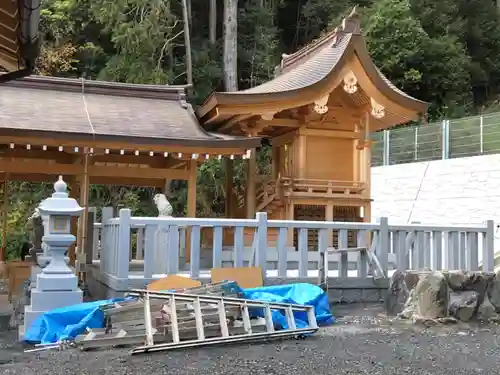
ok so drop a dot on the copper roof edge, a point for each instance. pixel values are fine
(350, 25)
(165, 92)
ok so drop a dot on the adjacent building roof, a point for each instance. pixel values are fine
(310, 68)
(19, 42)
(61, 107)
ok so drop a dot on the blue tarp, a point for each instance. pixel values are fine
(69, 322)
(300, 294)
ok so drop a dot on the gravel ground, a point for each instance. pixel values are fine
(362, 342)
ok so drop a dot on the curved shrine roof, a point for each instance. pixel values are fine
(311, 66)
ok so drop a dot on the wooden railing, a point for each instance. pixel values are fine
(414, 246)
(325, 187)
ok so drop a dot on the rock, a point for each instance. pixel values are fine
(431, 296)
(470, 281)
(411, 279)
(493, 292)
(486, 310)
(463, 305)
(397, 294)
(409, 307)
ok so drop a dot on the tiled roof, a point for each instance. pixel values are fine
(159, 114)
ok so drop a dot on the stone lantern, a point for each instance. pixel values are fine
(57, 285)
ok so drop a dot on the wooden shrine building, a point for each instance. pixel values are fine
(318, 113)
(105, 133)
(19, 40)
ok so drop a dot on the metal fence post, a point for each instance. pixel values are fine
(481, 136)
(385, 158)
(445, 139)
(489, 247)
(415, 156)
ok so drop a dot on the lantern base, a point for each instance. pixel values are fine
(41, 302)
(59, 282)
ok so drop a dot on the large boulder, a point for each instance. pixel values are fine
(493, 292)
(441, 295)
(463, 305)
(431, 296)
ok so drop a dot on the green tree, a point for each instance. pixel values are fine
(431, 69)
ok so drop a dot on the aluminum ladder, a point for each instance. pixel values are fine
(176, 302)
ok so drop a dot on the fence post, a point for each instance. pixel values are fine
(489, 247)
(261, 243)
(445, 127)
(481, 135)
(122, 258)
(385, 156)
(415, 156)
(383, 248)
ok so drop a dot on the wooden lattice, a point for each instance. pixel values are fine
(309, 212)
(347, 214)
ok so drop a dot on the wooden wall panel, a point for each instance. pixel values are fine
(329, 158)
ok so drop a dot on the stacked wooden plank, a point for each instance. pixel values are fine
(125, 321)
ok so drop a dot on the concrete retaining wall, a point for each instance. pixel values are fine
(454, 191)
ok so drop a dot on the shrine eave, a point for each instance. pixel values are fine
(93, 112)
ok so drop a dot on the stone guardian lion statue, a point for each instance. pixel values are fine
(163, 205)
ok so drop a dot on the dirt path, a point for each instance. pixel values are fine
(360, 343)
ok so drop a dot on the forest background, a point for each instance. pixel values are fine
(442, 51)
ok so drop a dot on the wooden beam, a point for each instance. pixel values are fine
(233, 121)
(330, 133)
(279, 122)
(61, 157)
(42, 167)
(139, 173)
(39, 166)
(96, 180)
(144, 149)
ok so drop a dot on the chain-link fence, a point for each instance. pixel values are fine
(467, 136)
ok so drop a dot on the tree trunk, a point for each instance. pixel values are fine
(230, 45)
(187, 42)
(213, 22)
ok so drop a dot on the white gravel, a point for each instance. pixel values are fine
(360, 343)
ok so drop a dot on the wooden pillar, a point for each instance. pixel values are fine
(191, 194)
(368, 170)
(191, 204)
(275, 167)
(329, 217)
(250, 202)
(301, 150)
(5, 210)
(289, 216)
(74, 193)
(228, 164)
(84, 202)
(357, 154)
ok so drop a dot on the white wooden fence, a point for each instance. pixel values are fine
(146, 248)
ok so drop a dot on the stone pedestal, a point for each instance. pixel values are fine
(56, 284)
